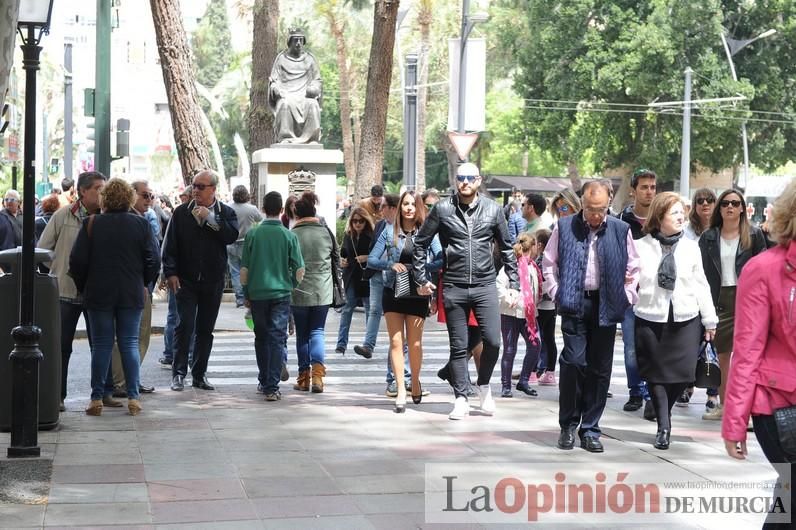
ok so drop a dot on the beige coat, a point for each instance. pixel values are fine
(59, 236)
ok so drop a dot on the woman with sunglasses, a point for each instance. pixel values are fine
(726, 246)
(405, 315)
(353, 260)
(702, 206)
(565, 203)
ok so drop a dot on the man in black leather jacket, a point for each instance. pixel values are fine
(194, 263)
(468, 225)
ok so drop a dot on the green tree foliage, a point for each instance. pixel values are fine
(578, 59)
(211, 44)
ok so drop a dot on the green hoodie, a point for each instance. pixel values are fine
(271, 257)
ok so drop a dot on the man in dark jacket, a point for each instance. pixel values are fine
(194, 262)
(467, 225)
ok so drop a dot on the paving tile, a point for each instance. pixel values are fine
(401, 521)
(105, 527)
(281, 465)
(104, 437)
(194, 490)
(381, 484)
(194, 455)
(97, 493)
(21, 515)
(203, 511)
(146, 424)
(346, 522)
(173, 436)
(283, 486)
(97, 514)
(216, 525)
(305, 506)
(396, 503)
(208, 470)
(367, 467)
(97, 454)
(95, 474)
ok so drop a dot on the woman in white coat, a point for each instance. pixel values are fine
(674, 311)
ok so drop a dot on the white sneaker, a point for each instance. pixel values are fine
(487, 403)
(715, 414)
(461, 408)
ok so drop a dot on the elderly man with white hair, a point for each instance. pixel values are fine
(467, 224)
(11, 211)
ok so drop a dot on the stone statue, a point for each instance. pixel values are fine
(294, 91)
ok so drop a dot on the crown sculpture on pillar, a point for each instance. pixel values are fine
(294, 93)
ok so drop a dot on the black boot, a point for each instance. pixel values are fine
(662, 439)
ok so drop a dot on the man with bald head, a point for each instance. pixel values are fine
(194, 263)
(468, 224)
(590, 269)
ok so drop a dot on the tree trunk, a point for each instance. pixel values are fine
(8, 32)
(344, 73)
(175, 61)
(374, 123)
(424, 21)
(574, 175)
(264, 50)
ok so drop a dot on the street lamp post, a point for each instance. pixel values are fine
(34, 15)
(731, 47)
(468, 22)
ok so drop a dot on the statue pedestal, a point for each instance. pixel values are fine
(275, 164)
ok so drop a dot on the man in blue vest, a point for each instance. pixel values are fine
(590, 267)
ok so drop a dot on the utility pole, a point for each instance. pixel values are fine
(102, 90)
(68, 126)
(685, 155)
(463, 63)
(410, 122)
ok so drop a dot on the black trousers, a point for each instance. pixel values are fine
(547, 329)
(766, 432)
(585, 369)
(664, 395)
(483, 301)
(197, 307)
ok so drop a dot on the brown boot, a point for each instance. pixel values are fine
(94, 408)
(318, 371)
(302, 381)
(134, 407)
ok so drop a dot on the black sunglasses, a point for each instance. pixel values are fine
(702, 200)
(147, 195)
(725, 203)
(202, 187)
(357, 221)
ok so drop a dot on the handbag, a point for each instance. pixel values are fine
(338, 291)
(785, 419)
(708, 373)
(405, 286)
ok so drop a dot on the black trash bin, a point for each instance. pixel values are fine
(48, 318)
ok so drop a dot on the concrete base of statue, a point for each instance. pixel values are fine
(295, 169)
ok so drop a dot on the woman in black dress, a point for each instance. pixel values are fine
(353, 260)
(674, 304)
(405, 315)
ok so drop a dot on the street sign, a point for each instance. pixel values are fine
(13, 147)
(462, 142)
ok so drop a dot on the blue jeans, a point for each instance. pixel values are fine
(512, 328)
(310, 323)
(347, 313)
(270, 335)
(123, 324)
(234, 255)
(374, 311)
(638, 387)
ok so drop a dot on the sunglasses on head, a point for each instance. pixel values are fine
(702, 200)
(202, 187)
(468, 178)
(725, 203)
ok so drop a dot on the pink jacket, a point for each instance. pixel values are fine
(763, 368)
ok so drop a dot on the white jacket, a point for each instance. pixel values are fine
(691, 295)
(517, 311)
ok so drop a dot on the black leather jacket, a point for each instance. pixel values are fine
(467, 251)
(711, 256)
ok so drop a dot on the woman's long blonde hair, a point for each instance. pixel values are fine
(525, 243)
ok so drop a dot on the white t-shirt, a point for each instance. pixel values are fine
(728, 250)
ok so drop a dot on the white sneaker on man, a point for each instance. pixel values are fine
(487, 403)
(461, 408)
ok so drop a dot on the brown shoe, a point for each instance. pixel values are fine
(318, 371)
(302, 381)
(134, 406)
(108, 401)
(94, 408)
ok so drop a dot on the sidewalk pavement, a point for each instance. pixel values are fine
(341, 459)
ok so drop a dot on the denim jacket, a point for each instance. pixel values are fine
(384, 254)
